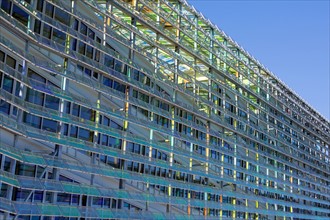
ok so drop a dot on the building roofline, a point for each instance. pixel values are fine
(260, 65)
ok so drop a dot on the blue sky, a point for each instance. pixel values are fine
(291, 38)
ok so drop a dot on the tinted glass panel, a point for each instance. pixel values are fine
(2, 56)
(107, 81)
(47, 31)
(8, 84)
(4, 107)
(32, 120)
(11, 62)
(34, 97)
(59, 36)
(20, 15)
(62, 16)
(73, 131)
(49, 125)
(40, 5)
(6, 5)
(52, 102)
(83, 29)
(85, 134)
(49, 9)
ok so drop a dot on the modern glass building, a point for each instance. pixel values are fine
(141, 109)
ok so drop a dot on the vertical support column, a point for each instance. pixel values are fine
(12, 169)
(151, 134)
(64, 86)
(179, 21)
(234, 177)
(191, 151)
(196, 33)
(22, 90)
(124, 143)
(21, 95)
(225, 56)
(257, 183)
(246, 200)
(207, 155)
(106, 22)
(2, 163)
(211, 57)
(31, 19)
(94, 155)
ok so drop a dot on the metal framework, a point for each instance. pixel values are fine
(141, 109)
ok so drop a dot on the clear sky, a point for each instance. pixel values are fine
(290, 38)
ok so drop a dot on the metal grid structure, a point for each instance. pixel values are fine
(141, 109)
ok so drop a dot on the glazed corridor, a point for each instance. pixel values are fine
(140, 109)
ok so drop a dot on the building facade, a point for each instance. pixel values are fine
(141, 109)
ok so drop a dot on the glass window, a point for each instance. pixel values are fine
(40, 5)
(106, 202)
(47, 31)
(137, 148)
(35, 76)
(130, 146)
(62, 16)
(118, 86)
(65, 129)
(17, 88)
(88, 72)
(74, 44)
(11, 62)
(32, 120)
(49, 125)
(37, 26)
(67, 107)
(108, 61)
(75, 110)
(75, 24)
(8, 84)
(52, 102)
(83, 28)
(4, 107)
(97, 55)
(85, 134)
(14, 112)
(106, 121)
(98, 201)
(38, 195)
(73, 131)
(89, 52)
(136, 74)
(115, 142)
(63, 198)
(114, 203)
(2, 56)
(21, 194)
(105, 139)
(95, 75)
(34, 97)
(20, 15)
(49, 9)
(116, 125)
(80, 68)
(87, 114)
(91, 34)
(118, 66)
(81, 47)
(75, 199)
(6, 5)
(59, 36)
(107, 81)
